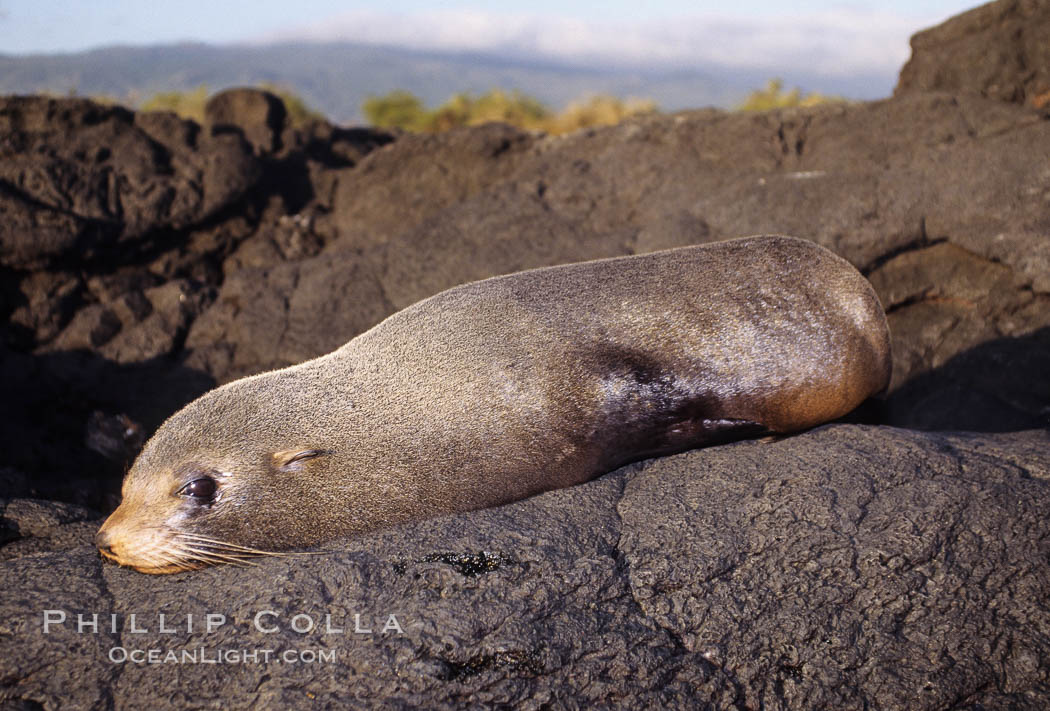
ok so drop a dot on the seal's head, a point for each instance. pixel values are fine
(217, 483)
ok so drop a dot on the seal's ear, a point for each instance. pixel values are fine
(288, 458)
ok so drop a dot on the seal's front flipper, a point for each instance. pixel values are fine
(691, 433)
(721, 431)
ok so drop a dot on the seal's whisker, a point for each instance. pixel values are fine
(233, 548)
(164, 557)
(168, 558)
(177, 557)
(155, 555)
(223, 545)
(190, 552)
(185, 558)
(195, 561)
(214, 554)
(218, 542)
(209, 539)
(236, 562)
(220, 558)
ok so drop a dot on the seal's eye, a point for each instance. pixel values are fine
(202, 490)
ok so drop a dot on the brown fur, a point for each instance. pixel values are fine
(504, 388)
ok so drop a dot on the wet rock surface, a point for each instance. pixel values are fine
(145, 259)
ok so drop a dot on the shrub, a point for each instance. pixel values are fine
(398, 109)
(774, 97)
(190, 104)
(401, 109)
(187, 104)
(598, 110)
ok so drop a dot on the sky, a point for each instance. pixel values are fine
(834, 37)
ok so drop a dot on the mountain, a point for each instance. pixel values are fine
(336, 77)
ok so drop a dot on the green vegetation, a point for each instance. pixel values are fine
(600, 110)
(190, 104)
(774, 97)
(187, 104)
(402, 109)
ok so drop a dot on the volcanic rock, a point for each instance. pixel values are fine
(998, 50)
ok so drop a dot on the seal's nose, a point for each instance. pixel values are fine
(102, 541)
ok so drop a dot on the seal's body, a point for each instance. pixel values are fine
(504, 388)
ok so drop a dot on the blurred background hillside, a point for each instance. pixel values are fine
(552, 66)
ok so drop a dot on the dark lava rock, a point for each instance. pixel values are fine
(849, 567)
(269, 318)
(114, 436)
(99, 325)
(940, 199)
(872, 182)
(77, 178)
(49, 419)
(934, 196)
(867, 181)
(999, 50)
(30, 526)
(258, 115)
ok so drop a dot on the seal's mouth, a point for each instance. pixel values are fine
(164, 552)
(166, 569)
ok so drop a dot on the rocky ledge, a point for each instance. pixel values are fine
(898, 561)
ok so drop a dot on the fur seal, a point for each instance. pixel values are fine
(504, 388)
